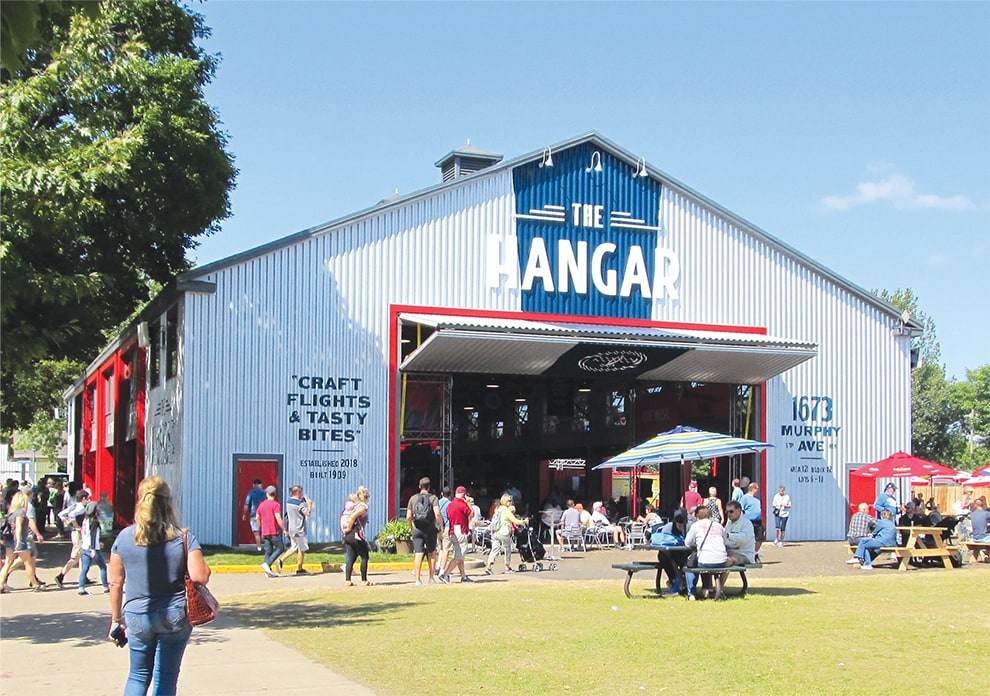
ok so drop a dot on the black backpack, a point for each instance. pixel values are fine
(422, 512)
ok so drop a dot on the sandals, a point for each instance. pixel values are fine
(348, 583)
(368, 583)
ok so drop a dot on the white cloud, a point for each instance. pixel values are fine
(937, 259)
(886, 185)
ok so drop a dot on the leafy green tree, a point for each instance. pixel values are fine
(933, 411)
(111, 164)
(971, 400)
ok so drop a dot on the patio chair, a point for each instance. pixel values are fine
(597, 534)
(636, 534)
(571, 536)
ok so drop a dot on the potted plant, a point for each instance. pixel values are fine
(395, 536)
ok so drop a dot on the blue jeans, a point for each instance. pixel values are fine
(157, 640)
(691, 579)
(85, 563)
(272, 547)
(863, 548)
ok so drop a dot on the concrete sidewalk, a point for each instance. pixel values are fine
(55, 640)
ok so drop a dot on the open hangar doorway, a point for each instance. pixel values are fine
(513, 396)
(544, 436)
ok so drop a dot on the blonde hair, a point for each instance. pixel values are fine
(363, 494)
(18, 502)
(154, 517)
(506, 500)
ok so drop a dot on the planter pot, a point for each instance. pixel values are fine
(403, 546)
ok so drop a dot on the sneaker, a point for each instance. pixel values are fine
(510, 570)
(82, 592)
(302, 571)
(866, 567)
(433, 581)
(268, 570)
(489, 571)
(853, 561)
(445, 579)
(106, 589)
(691, 597)
(419, 584)
(466, 579)
(58, 581)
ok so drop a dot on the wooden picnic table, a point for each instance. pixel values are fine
(917, 548)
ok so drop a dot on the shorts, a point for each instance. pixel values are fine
(424, 542)
(456, 543)
(299, 543)
(446, 543)
(781, 522)
(255, 524)
(759, 531)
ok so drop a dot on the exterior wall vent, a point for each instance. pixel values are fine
(466, 160)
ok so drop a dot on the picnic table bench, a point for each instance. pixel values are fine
(976, 547)
(916, 547)
(638, 566)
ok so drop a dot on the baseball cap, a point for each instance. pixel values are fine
(461, 489)
(890, 487)
(271, 490)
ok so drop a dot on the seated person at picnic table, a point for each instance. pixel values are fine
(913, 516)
(599, 519)
(980, 517)
(884, 534)
(931, 508)
(672, 533)
(585, 516)
(708, 537)
(860, 524)
(740, 540)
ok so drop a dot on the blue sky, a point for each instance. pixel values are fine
(857, 133)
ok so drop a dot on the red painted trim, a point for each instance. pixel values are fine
(571, 319)
(393, 410)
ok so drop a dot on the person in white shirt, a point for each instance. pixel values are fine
(599, 519)
(72, 516)
(740, 540)
(781, 512)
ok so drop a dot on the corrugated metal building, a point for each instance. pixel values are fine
(566, 304)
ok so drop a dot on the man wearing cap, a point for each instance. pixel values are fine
(886, 501)
(691, 498)
(444, 542)
(458, 523)
(269, 516)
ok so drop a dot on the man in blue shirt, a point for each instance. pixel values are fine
(886, 501)
(753, 511)
(446, 546)
(251, 503)
(884, 534)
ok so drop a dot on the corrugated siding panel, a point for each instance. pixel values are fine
(729, 276)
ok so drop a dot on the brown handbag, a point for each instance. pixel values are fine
(201, 605)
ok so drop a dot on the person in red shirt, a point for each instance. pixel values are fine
(691, 499)
(459, 518)
(269, 516)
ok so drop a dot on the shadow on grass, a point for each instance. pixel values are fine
(313, 613)
(763, 590)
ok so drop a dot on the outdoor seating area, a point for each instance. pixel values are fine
(718, 576)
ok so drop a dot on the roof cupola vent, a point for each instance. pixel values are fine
(466, 160)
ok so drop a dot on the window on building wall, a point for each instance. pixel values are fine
(172, 343)
(108, 403)
(78, 423)
(155, 354)
(471, 418)
(128, 395)
(522, 417)
(497, 429)
(91, 395)
(582, 411)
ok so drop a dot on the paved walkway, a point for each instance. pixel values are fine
(48, 638)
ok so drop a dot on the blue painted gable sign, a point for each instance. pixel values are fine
(587, 239)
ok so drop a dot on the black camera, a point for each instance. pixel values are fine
(119, 636)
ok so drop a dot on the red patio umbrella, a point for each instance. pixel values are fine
(902, 465)
(985, 471)
(977, 482)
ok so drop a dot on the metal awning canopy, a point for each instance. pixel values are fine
(486, 345)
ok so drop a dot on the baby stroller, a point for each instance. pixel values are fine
(531, 550)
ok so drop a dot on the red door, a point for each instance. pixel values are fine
(862, 489)
(247, 470)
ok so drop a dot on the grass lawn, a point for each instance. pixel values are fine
(861, 634)
(224, 555)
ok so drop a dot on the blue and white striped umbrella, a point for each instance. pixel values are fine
(683, 444)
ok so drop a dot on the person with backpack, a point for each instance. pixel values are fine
(423, 515)
(502, 523)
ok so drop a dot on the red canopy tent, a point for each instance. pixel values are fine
(902, 465)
